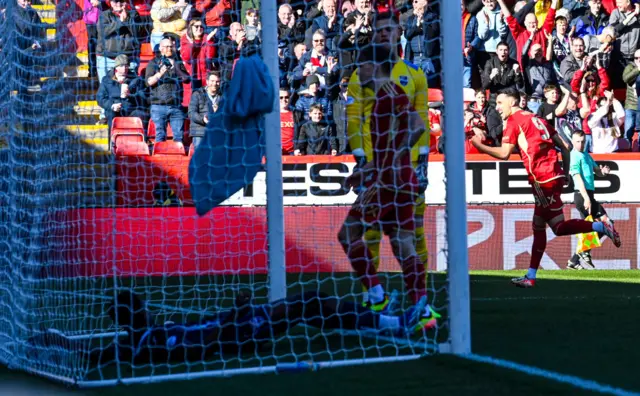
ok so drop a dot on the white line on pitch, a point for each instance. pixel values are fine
(574, 381)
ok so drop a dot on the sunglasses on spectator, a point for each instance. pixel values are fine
(318, 41)
(284, 97)
(198, 26)
(637, 57)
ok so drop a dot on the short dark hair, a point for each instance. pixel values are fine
(382, 16)
(251, 11)
(502, 43)
(550, 87)
(316, 106)
(213, 73)
(578, 132)
(511, 93)
(577, 38)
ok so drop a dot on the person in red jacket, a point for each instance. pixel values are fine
(522, 34)
(196, 50)
(216, 14)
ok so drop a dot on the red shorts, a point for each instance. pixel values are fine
(391, 209)
(548, 201)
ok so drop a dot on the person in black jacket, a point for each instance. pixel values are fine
(501, 73)
(204, 101)
(315, 136)
(30, 37)
(165, 75)
(422, 31)
(118, 33)
(121, 93)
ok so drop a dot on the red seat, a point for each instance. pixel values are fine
(127, 123)
(139, 148)
(168, 147)
(121, 137)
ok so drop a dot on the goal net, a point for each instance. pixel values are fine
(91, 209)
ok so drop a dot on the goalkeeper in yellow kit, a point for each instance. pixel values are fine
(359, 105)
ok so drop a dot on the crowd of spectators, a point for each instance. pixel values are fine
(576, 63)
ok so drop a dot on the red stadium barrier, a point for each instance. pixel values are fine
(171, 241)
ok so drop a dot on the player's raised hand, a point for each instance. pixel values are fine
(476, 141)
(605, 169)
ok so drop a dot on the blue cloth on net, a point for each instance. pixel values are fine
(230, 155)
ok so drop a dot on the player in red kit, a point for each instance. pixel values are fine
(537, 142)
(391, 185)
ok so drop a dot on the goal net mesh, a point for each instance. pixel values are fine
(82, 218)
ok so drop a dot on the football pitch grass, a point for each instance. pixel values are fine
(583, 324)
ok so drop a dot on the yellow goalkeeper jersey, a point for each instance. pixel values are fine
(360, 103)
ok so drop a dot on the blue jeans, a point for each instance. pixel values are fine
(196, 141)
(630, 120)
(161, 115)
(588, 143)
(466, 77)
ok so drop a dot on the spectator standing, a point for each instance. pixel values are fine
(492, 29)
(287, 126)
(315, 137)
(630, 76)
(330, 23)
(530, 31)
(624, 20)
(121, 93)
(118, 34)
(313, 62)
(594, 20)
(168, 17)
(576, 61)
(488, 115)
(361, 19)
(30, 36)
(560, 41)
(166, 75)
(538, 73)
(340, 116)
(605, 124)
(90, 16)
(422, 31)
(232, 47)
(204, 101)
(553, 106)
(313, 94)
(501, 73)
(252, 26)
(196, 52)
(470, 44)
(290, 30)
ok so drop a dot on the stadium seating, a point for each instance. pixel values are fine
(131, 148)
(127, 136)
(169, 147)
(151, 132)
(435, 95)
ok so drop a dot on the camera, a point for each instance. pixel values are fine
(164, 61)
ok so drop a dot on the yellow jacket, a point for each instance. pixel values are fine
(360, 103)
(167, 19)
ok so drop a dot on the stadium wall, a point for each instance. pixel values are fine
(164, 240)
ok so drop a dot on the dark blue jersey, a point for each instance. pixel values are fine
(194, 334)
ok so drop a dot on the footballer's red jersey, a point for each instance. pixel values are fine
(389, 128)
(537, 150)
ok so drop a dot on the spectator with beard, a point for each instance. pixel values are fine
(204, 101)
(330, 23)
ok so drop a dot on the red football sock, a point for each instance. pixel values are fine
(414, 277)
(362, 263)
(537, 250)
(573, 226)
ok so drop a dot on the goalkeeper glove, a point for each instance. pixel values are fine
(422, 167)
(361, 161)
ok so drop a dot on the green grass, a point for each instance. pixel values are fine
(578, 323)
